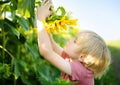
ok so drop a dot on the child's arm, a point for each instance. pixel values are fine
(55, 46)
(49, 54)
(44, 43)
(42, 12)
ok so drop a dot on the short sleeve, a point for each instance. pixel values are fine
(80, 74)
(78, 70)
(64, 55)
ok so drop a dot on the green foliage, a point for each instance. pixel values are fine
(57, 14)
(20, 61)
(4, 71)
(108, 79)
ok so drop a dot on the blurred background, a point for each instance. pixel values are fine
(20, 60)
(101, 16)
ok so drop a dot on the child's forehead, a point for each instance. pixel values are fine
(82, 34)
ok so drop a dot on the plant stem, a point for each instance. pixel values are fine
(3, 52)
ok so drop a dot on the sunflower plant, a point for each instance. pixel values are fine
(59, 20)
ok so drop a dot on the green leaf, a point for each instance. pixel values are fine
(16, 68)
(23, 22)
(57, 14)
(26, 8)
(31, 6)
(62, 10)
(9, 26)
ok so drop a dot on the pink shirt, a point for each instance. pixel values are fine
(80, 74)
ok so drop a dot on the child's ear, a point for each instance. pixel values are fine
(82, 57)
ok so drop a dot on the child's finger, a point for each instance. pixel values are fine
(44, 2)
(48, 3)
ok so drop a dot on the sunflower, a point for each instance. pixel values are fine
(59, 25)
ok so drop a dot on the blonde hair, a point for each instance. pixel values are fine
(97, 56)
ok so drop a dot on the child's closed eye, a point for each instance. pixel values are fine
(75, 40)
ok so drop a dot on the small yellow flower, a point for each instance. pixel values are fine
(35, 29)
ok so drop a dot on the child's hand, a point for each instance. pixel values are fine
(44, 10)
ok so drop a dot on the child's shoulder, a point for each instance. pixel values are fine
(79, 69)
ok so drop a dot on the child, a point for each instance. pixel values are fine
(84, 57)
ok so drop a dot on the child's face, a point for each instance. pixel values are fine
(71, 47)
